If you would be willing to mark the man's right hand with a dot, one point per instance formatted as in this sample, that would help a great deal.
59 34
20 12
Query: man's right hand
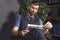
23 32
15 31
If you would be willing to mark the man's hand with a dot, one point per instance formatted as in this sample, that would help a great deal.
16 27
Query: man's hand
15 31
48 25
23 32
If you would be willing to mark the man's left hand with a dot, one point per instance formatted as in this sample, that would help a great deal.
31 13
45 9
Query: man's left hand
48 25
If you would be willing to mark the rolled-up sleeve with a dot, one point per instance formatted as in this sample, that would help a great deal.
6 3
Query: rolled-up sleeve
18 19
43 30
40 22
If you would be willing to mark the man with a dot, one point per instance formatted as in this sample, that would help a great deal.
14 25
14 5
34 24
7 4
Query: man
29 18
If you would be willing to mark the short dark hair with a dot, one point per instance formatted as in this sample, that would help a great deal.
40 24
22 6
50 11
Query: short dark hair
37 2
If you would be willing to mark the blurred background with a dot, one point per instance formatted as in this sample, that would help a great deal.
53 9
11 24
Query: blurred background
9 8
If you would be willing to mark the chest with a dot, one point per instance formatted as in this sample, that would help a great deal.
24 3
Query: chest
25 21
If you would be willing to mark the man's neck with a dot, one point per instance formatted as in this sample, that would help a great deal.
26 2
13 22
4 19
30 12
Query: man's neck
30 14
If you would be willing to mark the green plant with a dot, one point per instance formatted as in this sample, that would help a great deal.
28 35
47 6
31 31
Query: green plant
43 10
42 13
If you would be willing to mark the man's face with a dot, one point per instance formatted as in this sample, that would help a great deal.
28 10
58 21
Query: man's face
33 8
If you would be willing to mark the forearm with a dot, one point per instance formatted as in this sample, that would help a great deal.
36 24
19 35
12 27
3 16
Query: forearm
15 31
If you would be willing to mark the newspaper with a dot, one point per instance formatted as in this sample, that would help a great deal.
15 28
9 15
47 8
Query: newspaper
34 26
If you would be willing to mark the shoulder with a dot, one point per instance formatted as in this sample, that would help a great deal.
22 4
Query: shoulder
18 16
40 19
41 22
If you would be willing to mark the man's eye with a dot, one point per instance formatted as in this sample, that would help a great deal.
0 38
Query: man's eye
36 9
33 7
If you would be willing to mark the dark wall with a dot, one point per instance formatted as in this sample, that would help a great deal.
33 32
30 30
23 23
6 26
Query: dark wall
8 9
7 6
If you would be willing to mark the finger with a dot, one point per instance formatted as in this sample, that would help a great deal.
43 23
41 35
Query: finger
27 31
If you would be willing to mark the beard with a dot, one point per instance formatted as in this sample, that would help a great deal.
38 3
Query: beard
31 13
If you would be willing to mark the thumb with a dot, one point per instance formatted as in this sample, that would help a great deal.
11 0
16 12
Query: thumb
27 30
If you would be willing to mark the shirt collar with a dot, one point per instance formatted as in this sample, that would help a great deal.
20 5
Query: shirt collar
30 16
